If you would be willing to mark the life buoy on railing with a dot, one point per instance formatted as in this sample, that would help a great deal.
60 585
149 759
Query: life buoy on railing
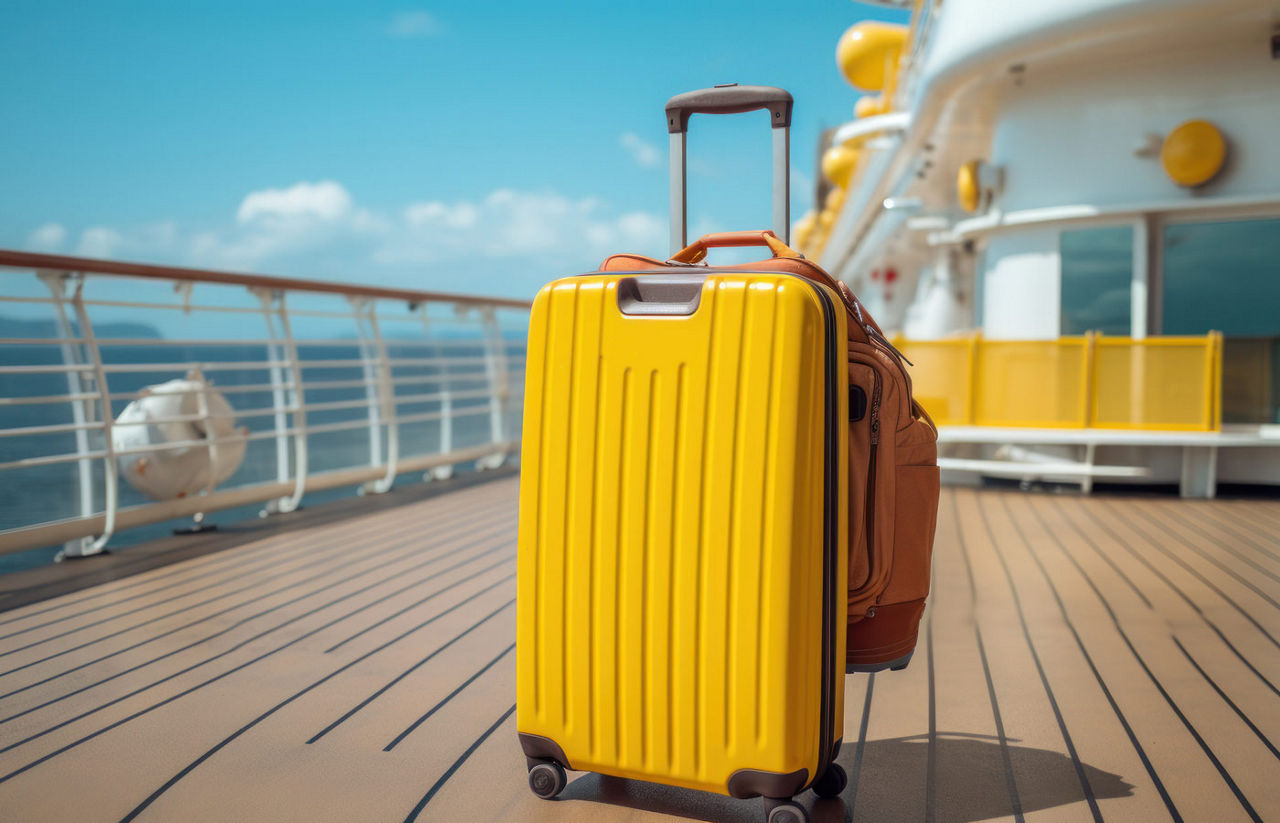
189 435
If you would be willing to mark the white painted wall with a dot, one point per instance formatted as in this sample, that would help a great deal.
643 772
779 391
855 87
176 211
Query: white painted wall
1021 293
1067 136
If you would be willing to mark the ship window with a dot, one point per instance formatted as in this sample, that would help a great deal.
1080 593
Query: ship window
1225 276
1222 277
1097 272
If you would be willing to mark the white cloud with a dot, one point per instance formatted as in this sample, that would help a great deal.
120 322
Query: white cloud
509 224
410 24
325 200
48 237
644 153
277 224
99 241
457 216
506 242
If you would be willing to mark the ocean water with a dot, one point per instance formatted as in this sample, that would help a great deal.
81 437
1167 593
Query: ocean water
42 493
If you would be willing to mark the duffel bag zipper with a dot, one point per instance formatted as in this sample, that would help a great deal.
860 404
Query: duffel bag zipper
871 473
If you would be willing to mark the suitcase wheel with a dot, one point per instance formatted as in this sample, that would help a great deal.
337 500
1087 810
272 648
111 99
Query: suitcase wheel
779 810
547 780
832 783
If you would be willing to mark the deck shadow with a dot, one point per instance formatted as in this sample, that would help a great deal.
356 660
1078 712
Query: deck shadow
686 803
970 785
970 781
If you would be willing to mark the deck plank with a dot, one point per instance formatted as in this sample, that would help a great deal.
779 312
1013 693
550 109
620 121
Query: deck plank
1080 659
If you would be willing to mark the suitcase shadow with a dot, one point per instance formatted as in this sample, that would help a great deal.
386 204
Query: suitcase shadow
888 781
684 803
974 778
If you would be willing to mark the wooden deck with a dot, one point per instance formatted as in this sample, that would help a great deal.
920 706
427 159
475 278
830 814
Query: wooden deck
1106 657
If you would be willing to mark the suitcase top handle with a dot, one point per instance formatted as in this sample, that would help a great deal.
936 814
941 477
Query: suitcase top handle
697 250
729 98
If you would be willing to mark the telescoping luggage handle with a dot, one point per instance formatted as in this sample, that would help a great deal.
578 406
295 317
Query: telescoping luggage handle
731 99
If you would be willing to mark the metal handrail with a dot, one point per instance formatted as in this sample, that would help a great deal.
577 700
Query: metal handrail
452 388
83 265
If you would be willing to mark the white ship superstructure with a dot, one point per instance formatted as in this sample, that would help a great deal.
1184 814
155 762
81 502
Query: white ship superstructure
1042 171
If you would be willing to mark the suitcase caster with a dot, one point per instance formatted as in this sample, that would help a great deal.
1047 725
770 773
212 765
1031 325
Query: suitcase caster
784 810
547 780
832 783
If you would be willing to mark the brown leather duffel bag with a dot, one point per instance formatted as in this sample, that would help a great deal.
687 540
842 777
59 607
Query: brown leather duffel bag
893 466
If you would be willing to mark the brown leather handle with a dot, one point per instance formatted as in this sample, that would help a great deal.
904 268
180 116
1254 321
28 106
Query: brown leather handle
697 250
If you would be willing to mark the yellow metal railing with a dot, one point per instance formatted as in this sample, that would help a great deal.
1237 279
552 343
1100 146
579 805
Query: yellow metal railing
1160 383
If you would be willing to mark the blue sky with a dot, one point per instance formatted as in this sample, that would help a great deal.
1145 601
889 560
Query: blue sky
482 147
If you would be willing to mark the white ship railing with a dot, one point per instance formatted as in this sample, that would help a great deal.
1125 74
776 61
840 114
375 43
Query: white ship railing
453 361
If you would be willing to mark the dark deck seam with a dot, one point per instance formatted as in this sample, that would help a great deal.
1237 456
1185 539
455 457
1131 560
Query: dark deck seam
1011 784
1115 707
411 606
388 686
243 643
1193 571
1146 535
1213 561
168 784
207 638
1210 518
1035 656
1155 681
1226 545
931 758
281 556
1189 601
114 567
452 770
1258 732
427 716
855 769
329 555
1240 527
200 685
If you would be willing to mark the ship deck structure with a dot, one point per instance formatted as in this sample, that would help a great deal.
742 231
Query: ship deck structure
1081 658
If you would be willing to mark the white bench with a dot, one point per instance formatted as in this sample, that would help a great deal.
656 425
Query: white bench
1199 452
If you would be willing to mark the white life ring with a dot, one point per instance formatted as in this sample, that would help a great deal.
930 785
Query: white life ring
187 412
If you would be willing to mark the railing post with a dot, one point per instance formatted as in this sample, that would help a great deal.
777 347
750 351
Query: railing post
111 471
74 354
286 397
444 471
278 401
1213 382
1089 380
360 309
379 393
495 369
972 404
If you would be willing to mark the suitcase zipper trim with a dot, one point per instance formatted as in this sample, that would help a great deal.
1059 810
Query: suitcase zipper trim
826 708
830 528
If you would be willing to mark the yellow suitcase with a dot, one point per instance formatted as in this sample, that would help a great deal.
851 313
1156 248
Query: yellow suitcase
681 611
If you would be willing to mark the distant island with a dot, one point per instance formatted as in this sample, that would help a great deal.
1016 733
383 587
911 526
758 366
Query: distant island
40 327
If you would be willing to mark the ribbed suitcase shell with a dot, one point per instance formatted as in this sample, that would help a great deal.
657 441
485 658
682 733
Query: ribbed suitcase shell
670 596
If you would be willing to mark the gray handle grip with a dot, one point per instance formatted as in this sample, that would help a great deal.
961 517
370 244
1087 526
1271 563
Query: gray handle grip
729 98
